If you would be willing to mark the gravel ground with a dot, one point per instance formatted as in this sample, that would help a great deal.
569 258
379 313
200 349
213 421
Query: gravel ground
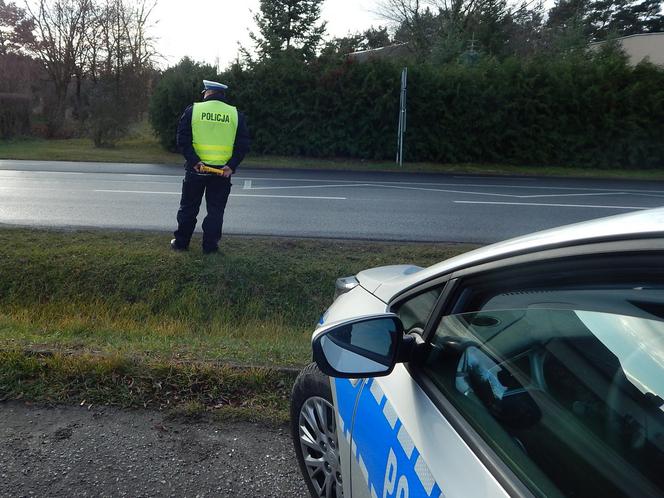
73 451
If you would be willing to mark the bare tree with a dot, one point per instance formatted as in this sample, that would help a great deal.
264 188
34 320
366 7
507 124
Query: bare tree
61 26
92 39
15 28
122 55
416 20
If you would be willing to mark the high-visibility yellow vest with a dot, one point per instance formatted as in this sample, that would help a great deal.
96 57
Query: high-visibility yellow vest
213 128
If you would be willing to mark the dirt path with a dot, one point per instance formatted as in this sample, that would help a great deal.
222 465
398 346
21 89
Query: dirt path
72 451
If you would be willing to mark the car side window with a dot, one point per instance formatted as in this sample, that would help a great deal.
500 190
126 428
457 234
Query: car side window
415 311
565 384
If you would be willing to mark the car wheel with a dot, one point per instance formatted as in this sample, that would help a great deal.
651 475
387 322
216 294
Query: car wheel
314 432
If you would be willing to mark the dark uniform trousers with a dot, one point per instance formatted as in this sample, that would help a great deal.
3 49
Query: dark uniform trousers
216 189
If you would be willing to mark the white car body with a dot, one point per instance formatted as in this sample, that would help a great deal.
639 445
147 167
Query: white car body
393 439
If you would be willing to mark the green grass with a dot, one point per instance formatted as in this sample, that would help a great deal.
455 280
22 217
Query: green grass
133 150
118 318
143 148
126 293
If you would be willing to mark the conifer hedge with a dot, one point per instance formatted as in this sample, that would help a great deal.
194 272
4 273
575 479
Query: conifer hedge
576 109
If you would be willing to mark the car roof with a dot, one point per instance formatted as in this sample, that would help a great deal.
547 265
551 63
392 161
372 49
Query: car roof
634 225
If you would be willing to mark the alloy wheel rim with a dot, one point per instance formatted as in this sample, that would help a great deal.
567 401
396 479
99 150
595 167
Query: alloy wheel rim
318 441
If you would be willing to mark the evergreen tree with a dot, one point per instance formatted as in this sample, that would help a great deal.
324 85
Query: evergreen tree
290 26
373 38
525 33
340 47
623 17
443 30
601 19
369 39
179 86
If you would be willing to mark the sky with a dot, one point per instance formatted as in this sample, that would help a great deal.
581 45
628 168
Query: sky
209 29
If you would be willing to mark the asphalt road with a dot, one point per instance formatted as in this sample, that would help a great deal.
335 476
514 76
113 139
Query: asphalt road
378 206
73 451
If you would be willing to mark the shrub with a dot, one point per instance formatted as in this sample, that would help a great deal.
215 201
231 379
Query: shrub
575 108
14 115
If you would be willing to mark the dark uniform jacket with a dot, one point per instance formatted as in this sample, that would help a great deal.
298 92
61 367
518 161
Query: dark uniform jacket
185 138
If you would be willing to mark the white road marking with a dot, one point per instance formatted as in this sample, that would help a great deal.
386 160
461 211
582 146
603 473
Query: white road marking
144 174
437 184
421 189
650 195
270 196
38 173
398 187
82 187
32 189
314 186
550 205
570 195
449 191
232 195
23 174
248 186
31 181
493 178
514 196
291 197
399 183
136 192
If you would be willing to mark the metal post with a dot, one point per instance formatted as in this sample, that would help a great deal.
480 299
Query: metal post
402 115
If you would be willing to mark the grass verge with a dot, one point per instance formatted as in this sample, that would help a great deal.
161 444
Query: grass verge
145 149
253 394
132 150
118 306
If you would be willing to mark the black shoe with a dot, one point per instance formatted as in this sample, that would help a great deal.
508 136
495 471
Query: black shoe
176 247
210 250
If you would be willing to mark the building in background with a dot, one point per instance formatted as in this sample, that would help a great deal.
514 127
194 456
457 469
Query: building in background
648 46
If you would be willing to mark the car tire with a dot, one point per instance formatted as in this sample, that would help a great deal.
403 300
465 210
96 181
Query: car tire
313 429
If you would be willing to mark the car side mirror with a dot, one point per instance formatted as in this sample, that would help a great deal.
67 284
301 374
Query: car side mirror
364 347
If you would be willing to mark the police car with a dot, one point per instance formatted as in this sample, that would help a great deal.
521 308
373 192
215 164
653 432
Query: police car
533 367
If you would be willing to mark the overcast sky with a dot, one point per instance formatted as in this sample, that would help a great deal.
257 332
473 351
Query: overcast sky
207 29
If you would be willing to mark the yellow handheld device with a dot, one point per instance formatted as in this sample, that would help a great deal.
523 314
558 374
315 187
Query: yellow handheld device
210 169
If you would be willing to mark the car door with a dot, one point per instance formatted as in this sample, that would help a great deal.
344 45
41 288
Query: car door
542 379
397 433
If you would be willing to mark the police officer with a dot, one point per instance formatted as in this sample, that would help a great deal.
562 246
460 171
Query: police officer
214 134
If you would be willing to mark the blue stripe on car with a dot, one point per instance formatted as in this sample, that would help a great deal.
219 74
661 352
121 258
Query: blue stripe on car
381 445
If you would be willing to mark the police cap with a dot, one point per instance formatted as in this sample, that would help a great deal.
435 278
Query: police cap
213 86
